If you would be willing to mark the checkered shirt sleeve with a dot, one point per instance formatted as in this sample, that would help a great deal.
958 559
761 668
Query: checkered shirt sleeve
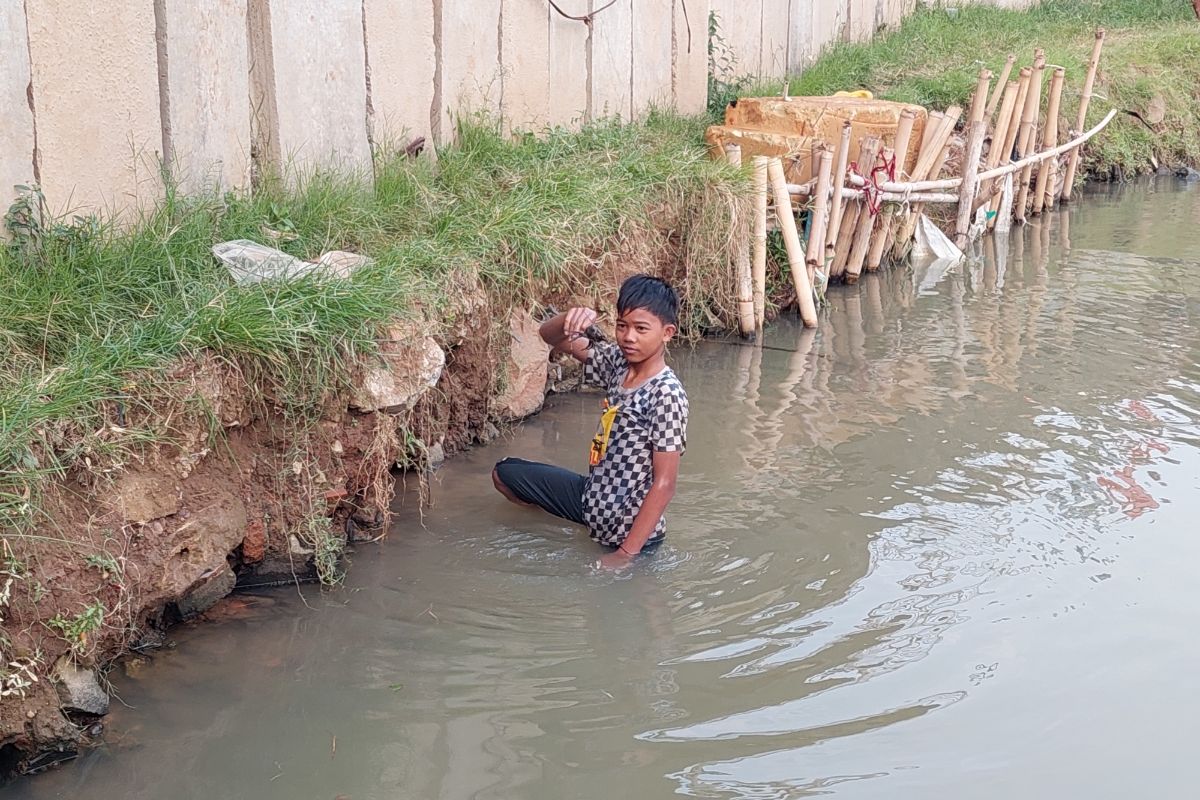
668 426
605 363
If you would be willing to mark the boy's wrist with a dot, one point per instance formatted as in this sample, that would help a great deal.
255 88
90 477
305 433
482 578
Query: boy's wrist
628 551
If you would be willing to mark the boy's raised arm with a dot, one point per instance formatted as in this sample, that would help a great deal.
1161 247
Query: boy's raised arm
565 332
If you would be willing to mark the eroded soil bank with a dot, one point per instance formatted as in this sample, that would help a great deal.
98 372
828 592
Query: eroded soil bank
246 492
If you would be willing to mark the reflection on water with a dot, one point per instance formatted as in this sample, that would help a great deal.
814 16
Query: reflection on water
938 548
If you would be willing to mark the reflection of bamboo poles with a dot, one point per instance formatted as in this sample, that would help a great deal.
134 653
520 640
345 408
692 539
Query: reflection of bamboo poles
745 282
791 241
1049 141
759 266
1084 101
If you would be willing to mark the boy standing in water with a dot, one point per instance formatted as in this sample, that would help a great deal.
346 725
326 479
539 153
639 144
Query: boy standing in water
642 432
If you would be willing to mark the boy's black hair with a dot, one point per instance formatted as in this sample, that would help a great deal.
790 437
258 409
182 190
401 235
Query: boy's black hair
653 294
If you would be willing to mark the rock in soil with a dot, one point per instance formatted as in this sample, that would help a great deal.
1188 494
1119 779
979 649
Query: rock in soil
146 496
524 377
408 365
207 593
78 689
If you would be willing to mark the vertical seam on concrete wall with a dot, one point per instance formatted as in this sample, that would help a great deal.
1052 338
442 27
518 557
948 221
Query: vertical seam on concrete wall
761 35
369 121
589 106
435 109
674 56
632 57
264 111
500 58
164 88
552 61
787 43
37 167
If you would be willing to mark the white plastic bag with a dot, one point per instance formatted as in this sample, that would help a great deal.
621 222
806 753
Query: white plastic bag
250 262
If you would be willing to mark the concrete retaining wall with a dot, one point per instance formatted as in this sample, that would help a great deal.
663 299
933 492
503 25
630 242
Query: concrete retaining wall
204 86
94 83
98 96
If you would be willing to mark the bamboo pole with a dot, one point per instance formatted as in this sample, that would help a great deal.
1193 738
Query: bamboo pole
996 149
929 164
758 272
1027 140
1001 84
883 226
904 129
1014 124
970 182
1000 132
903 140
841 252
839 180
820 217
866 217
998 123
980 98
745 282
1049 140
791 240
930 158
1084 101
933 124
849 226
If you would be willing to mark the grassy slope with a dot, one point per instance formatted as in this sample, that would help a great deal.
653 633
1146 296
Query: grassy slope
89 308
1152 49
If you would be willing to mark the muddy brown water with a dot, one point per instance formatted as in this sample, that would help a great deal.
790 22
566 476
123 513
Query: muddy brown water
945 547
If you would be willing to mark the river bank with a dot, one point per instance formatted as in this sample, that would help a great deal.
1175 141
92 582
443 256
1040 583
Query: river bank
168 434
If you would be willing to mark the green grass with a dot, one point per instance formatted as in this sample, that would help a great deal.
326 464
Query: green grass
95 311
1152 49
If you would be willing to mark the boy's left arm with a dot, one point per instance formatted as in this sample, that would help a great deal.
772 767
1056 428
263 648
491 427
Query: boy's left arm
666 471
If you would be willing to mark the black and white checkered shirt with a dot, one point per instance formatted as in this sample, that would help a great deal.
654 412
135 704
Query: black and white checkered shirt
653 417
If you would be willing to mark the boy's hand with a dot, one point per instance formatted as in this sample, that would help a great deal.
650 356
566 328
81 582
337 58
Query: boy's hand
578 320
616 561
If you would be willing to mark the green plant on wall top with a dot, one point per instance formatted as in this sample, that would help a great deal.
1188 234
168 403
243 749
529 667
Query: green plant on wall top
724 82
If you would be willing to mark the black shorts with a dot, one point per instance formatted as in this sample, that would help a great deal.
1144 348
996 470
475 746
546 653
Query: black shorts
551 488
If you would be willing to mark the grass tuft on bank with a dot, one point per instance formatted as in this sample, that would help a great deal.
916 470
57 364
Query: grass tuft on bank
94 312
1151 62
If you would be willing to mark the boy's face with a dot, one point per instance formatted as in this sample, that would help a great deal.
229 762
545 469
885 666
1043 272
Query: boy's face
641 335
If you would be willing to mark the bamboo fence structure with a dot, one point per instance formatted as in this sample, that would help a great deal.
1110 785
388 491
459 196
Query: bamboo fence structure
1009 160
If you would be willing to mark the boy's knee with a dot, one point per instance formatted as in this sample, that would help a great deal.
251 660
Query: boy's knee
502 487
498 477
